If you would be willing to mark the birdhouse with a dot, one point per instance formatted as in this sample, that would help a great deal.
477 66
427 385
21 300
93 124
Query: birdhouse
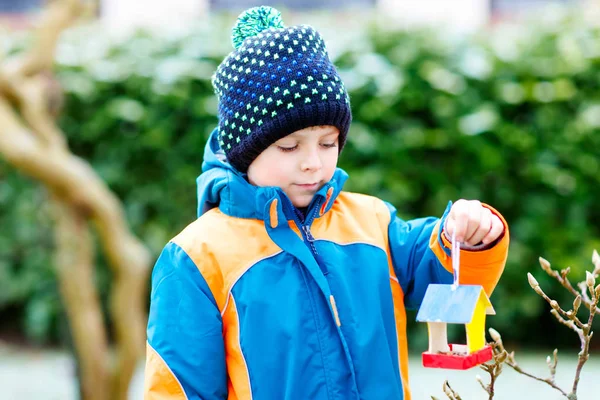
455 304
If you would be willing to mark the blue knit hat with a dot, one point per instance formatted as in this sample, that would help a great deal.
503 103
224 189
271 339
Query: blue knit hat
277 80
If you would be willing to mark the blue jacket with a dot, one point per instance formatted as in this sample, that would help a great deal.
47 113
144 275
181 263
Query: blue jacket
254 301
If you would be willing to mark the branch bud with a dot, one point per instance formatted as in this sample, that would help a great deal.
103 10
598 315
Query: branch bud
552 362
596 259
511 358
534 284
590 280
495 335
597 290
532 281
448 390
545 264
576 304
554 304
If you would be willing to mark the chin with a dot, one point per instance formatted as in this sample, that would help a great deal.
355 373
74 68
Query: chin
301 202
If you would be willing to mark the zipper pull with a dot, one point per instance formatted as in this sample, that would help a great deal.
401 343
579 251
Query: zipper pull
335 310
309 235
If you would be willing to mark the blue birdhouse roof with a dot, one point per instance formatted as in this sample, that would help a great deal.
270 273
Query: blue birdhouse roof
452 304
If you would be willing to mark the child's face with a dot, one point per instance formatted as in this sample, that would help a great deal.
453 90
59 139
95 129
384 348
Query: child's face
299 163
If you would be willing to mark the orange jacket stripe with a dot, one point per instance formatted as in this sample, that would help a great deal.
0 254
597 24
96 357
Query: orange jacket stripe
240 257
160 383
294 227
362 228
273 214
237 370
399 313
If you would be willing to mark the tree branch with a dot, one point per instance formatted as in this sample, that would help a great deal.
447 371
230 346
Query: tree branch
33 143
564 281
59 15
75 270
511 362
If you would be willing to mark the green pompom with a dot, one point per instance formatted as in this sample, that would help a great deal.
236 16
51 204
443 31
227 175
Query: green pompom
253 21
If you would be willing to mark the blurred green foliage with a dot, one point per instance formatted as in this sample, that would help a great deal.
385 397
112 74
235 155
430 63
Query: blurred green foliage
510 117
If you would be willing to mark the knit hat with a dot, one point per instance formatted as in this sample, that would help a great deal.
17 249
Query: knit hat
277 80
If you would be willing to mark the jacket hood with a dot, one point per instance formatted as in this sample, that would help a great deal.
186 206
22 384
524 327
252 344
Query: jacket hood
221 185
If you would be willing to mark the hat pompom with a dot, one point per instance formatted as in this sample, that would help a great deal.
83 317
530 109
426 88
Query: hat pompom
253 21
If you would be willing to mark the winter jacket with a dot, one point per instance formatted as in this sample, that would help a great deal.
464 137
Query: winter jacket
255 301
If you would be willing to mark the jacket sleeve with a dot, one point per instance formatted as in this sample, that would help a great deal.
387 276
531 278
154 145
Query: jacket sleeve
420 255
185 351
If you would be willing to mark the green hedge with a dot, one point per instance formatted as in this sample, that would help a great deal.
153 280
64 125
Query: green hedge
512 120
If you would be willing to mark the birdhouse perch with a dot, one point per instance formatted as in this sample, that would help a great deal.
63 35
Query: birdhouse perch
451 304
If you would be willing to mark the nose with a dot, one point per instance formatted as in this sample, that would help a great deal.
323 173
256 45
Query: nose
311 161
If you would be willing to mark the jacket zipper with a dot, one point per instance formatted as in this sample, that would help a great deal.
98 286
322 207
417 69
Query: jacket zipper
310 239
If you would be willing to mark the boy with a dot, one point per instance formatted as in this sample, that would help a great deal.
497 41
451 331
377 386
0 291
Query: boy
286 287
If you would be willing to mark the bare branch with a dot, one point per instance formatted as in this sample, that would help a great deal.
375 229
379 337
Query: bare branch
570 317
587 333
31 141
564 281
29 95
449 392
552 363
511 362
74 259
596 262
567 318
57 17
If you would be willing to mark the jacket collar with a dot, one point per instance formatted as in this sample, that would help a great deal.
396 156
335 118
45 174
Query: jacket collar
221 185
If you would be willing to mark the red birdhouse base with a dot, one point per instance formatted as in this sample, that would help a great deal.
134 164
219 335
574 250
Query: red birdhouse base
456 361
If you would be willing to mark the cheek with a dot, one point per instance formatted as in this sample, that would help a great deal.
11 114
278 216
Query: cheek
269 170
330 163
276 175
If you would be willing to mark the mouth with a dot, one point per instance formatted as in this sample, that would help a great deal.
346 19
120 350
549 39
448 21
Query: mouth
308 186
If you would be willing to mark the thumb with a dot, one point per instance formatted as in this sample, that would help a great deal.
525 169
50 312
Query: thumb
449 226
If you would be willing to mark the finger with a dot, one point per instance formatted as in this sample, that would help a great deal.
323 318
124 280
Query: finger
496 230
449 226
473 218
485 225
460 216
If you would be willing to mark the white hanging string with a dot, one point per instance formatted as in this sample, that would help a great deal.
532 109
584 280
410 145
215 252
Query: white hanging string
455 254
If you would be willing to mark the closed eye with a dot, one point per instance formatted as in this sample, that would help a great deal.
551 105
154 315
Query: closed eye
329 145
287 149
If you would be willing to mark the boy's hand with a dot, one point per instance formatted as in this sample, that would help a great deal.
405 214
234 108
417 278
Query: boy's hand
474 224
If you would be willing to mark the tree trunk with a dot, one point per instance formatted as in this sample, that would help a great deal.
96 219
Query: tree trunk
74 257
31 141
